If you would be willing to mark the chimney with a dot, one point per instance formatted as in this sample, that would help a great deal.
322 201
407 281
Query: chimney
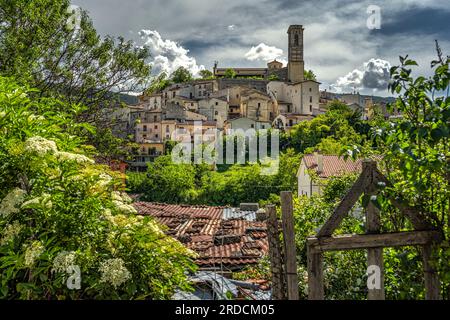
319 160
261 215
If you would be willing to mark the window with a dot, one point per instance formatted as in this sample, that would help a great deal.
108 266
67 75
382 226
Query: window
310 89
252 125
167 128
288 108
296 39
192 104
156 136
237 96
217 103
145 128
310 108
173 94
263 126
310 99
291 123
156 127
155 118
216 113
259 104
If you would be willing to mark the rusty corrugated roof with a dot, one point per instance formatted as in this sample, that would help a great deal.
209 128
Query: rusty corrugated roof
197 226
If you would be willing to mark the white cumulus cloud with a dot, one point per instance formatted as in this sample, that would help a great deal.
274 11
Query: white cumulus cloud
373 75
264 52
167 55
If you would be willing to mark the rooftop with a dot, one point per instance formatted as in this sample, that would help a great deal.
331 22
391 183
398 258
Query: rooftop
332 165
223 237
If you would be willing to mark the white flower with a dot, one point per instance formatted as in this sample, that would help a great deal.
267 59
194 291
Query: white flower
40 146
79 158
63 261
11 202
114 272
104 180
121 197
33 252
2 114
10 232
124 208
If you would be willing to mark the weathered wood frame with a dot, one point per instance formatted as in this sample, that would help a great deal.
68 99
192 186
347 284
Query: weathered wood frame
424 235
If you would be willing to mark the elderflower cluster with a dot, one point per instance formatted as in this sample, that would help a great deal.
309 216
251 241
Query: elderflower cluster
33 252
11 202
104 180
122 197
63 261
10 232
114 272
78 158
40 146
124 208
44 200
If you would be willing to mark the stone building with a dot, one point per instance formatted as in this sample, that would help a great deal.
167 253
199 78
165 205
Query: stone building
215 109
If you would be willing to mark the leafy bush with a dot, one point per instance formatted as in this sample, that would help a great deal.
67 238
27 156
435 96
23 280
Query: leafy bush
59 211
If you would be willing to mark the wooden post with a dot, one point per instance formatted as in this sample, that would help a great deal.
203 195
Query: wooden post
315 274
432 283
373 226
276 263
287 215
375 255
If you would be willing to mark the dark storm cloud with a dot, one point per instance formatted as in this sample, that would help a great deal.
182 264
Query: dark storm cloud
418 21
337 39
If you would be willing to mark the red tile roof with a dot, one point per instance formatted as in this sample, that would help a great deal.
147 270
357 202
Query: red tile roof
230 244
332 165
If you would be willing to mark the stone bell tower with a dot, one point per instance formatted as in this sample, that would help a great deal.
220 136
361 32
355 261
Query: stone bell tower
296 65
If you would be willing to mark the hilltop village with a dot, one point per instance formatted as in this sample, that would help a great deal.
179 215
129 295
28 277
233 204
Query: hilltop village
253 98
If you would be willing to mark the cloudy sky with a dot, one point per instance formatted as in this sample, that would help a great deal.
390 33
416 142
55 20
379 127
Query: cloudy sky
339 47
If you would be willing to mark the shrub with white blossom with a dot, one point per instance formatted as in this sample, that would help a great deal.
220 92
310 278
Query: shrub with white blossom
60 210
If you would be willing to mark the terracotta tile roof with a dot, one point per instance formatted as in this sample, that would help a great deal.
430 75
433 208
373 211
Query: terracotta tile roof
332 165
219 240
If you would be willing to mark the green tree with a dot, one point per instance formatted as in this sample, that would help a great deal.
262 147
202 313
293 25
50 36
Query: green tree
309 75
170 182
158 84
335 126
273 77
181 75
230 73
42 44
206 74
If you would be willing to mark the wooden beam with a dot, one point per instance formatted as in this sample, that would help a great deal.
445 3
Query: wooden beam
315 275
287 218
374 255
346 204
364 241
276 261
432 283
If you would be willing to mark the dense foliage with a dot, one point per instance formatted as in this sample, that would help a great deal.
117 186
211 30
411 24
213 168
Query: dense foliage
168 182
59 211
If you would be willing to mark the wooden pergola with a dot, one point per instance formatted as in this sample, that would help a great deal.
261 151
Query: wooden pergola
424 235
